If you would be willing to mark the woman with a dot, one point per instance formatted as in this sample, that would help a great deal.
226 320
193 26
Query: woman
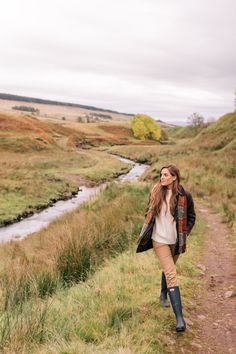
169 220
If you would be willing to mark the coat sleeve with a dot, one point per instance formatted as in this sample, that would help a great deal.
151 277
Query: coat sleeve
191 215
144 227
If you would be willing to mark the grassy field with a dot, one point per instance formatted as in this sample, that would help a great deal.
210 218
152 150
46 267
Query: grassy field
133 322
78 286
40 163
32 181
44 311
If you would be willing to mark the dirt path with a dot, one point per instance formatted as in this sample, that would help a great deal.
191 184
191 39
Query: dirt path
217 314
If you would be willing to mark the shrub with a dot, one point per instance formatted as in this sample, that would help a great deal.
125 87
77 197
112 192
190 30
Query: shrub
145 127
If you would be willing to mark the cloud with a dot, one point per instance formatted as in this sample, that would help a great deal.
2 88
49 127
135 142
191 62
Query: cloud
164 58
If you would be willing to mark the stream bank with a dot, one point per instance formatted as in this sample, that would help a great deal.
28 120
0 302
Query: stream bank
38 221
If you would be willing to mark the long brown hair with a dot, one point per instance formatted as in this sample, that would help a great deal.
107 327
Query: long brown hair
159 192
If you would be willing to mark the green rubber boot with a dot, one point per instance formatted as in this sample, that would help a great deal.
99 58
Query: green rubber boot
175 300
163 297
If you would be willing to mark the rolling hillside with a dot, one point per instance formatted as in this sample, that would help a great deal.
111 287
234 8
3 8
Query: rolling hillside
218 135
5 96
60 110
21 132
65 111
215 136
24 133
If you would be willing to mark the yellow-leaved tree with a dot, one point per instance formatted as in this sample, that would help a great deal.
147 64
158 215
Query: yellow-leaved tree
145 127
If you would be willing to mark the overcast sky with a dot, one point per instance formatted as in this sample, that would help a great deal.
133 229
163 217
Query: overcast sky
165 58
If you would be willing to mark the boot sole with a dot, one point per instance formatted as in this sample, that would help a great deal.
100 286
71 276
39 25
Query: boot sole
180 329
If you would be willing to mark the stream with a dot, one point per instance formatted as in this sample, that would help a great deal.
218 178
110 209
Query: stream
38 221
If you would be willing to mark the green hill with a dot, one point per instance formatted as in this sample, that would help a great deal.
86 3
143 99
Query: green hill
214 136
184 132
218 135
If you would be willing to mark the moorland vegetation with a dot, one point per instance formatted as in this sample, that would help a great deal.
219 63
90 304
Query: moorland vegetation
78 286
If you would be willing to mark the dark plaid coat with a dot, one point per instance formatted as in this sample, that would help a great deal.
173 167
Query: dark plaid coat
185 219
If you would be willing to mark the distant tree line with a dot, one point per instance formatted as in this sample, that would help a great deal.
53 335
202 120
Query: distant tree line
5 96
26 109
93 117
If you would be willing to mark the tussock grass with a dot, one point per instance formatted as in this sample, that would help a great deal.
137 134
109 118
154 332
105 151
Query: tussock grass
67 252
112 310
23 325
117 309
72 247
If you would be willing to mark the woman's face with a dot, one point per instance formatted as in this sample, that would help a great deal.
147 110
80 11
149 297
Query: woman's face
166 178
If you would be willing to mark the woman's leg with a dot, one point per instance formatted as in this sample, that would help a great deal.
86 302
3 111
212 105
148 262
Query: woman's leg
164 254
167 261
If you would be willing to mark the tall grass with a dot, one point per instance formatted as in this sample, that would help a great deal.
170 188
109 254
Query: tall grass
41 303
24 324
70 249
117 309
103 228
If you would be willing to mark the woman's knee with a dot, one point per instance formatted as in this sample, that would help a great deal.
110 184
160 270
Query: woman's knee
171 278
